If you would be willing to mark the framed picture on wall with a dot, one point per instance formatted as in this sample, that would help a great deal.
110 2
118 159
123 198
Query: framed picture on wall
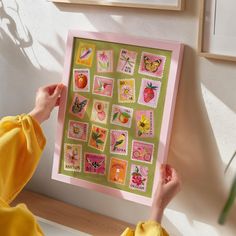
116 113
151 4
217 34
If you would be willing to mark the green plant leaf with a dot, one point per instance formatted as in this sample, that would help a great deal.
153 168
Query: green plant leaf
115 115
125 114
99 141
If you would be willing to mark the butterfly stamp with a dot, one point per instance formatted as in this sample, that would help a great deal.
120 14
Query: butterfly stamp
138 177
142 151
78 130
79 106
149 93
72 157
119 142
121 116
144 124
100 111
117 171
94 163
81 80
152 65
103 86
85 54
126 90
98 138
126 62
105 61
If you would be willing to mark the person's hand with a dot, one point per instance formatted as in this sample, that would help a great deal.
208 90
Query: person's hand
168 186
46 99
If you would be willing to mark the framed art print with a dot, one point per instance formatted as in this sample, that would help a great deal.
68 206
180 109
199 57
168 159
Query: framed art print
116 113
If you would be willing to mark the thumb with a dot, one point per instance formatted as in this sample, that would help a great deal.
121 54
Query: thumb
57 91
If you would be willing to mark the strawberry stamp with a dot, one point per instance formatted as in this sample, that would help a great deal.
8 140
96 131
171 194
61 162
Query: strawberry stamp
78 130
127 61
142 151
121 115
85 54
119 142
149 93
103 86
81 80
104 61
117 171
100 111
152 65
72 157
79 106
126 90
94 163
98 138
138 178
144 123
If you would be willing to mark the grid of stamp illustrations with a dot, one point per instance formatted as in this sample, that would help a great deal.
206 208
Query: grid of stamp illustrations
114 110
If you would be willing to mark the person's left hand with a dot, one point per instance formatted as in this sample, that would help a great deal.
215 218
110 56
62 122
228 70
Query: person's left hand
46 99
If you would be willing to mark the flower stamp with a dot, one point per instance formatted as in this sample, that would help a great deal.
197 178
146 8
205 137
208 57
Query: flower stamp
85 54
72 157
149 93
152 65
126 90
144 123
142 151
138 177
100 111
98 138
103 86
119 142
126 62
79 106
117 171
78 130
104 61
121 116
81 80
94 163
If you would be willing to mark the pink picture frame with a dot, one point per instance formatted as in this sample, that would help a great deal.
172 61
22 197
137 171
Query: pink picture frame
176 49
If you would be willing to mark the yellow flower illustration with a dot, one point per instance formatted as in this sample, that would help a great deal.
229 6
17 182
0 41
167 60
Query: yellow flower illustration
143 125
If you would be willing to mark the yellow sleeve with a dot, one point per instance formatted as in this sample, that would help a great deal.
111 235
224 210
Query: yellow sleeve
21 145
148 228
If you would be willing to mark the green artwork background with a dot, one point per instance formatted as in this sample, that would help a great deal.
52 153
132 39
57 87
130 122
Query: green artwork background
158 113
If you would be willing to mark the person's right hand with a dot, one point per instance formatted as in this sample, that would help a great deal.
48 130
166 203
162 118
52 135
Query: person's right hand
168 186
46 99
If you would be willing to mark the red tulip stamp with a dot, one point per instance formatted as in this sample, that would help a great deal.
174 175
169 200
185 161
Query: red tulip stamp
94 163
138 177
81 80
149 92
72 157
104 61
98 137
119 142
78 130
79 106
100 111
121 116
142 151
127 61
103 86
152 65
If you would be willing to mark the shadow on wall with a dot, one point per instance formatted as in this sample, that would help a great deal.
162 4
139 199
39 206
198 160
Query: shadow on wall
17 53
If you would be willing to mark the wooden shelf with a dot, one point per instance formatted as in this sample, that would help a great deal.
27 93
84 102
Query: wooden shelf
71 216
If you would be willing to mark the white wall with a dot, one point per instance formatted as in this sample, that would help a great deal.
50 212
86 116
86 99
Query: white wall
32 49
